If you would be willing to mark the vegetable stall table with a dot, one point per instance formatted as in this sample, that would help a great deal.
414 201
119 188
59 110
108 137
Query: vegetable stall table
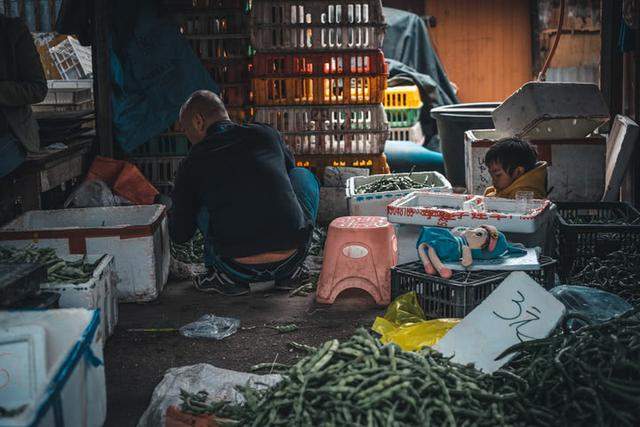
23 189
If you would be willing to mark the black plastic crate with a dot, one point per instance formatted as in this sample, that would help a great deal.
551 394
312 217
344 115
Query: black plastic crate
458 296
594 229
17 281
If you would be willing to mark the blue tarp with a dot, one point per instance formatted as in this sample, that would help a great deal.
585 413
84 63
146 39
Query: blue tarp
411 56
154 70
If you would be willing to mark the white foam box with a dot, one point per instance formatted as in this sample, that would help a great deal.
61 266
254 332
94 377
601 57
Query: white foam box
551 110
136 236
375 204
460 210
567 181
99 292
53 364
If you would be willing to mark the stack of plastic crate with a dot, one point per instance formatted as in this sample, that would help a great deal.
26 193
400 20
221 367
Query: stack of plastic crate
319 78
402 105
217 31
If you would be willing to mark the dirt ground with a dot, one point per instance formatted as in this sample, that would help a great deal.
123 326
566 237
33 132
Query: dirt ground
136 361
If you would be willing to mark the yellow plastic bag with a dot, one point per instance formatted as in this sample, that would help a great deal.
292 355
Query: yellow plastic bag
405 324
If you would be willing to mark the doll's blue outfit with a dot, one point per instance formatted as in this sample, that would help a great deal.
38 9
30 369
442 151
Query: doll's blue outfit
449 246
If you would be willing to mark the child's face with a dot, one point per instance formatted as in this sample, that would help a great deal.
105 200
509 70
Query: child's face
501 178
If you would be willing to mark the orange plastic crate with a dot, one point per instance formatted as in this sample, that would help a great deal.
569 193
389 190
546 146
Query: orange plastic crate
319 90
235 95
181 5
234 70
275 64
211 23
220 47
317 163
329 130
317 25
238 115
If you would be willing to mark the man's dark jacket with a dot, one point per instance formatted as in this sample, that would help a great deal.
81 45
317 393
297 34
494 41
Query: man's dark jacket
22 82
239 173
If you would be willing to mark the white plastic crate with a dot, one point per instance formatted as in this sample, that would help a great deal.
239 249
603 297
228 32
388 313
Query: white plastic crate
317 25
158 169
99 292
72 60
375 204
458 210
70 84
568 182
57 369
57 96
347 129
136 236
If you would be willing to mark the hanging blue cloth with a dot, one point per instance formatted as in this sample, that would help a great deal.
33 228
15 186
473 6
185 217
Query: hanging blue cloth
153 70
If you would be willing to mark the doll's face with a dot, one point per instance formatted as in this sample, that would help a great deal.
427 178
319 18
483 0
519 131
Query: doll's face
476 237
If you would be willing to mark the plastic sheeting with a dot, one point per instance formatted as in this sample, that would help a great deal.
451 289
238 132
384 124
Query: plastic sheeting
154 70
219 383
411 56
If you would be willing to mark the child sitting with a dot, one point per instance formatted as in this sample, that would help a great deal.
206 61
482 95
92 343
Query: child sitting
513 165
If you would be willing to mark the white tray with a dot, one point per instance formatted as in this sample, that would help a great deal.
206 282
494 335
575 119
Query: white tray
457 210
375 204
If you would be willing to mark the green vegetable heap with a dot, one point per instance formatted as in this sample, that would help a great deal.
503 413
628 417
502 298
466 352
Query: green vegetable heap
191 252
392 183
58 270
618 273
588 377
362 382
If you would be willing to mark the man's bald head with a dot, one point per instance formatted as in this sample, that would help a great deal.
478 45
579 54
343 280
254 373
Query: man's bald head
202 109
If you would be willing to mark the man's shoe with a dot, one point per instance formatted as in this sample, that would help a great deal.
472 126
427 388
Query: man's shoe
216 281
299 277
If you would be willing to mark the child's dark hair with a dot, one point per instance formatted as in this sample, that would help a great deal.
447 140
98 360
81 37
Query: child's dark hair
511 153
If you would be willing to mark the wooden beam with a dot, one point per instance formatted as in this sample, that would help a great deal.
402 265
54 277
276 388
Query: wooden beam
37 16
21 8
53 14
611 58
102 77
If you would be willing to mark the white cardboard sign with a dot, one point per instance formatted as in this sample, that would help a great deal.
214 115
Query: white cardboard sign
518 310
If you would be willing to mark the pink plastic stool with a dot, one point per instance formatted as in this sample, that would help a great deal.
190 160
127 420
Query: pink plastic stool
359 253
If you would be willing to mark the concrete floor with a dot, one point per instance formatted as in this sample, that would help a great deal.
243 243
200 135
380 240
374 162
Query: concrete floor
136 361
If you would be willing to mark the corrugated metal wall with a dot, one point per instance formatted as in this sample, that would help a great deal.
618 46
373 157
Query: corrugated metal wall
40 15
578 56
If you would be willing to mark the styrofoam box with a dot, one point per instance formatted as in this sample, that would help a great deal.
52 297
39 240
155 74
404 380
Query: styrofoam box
375 204
99 292
136 236
567 182
456 210
551 110
74 381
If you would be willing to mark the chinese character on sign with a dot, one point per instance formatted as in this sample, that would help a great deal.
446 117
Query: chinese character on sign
521 317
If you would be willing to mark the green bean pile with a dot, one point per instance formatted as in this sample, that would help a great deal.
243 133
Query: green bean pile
618 273
362 382
58 270
191 252
588 377
392 183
